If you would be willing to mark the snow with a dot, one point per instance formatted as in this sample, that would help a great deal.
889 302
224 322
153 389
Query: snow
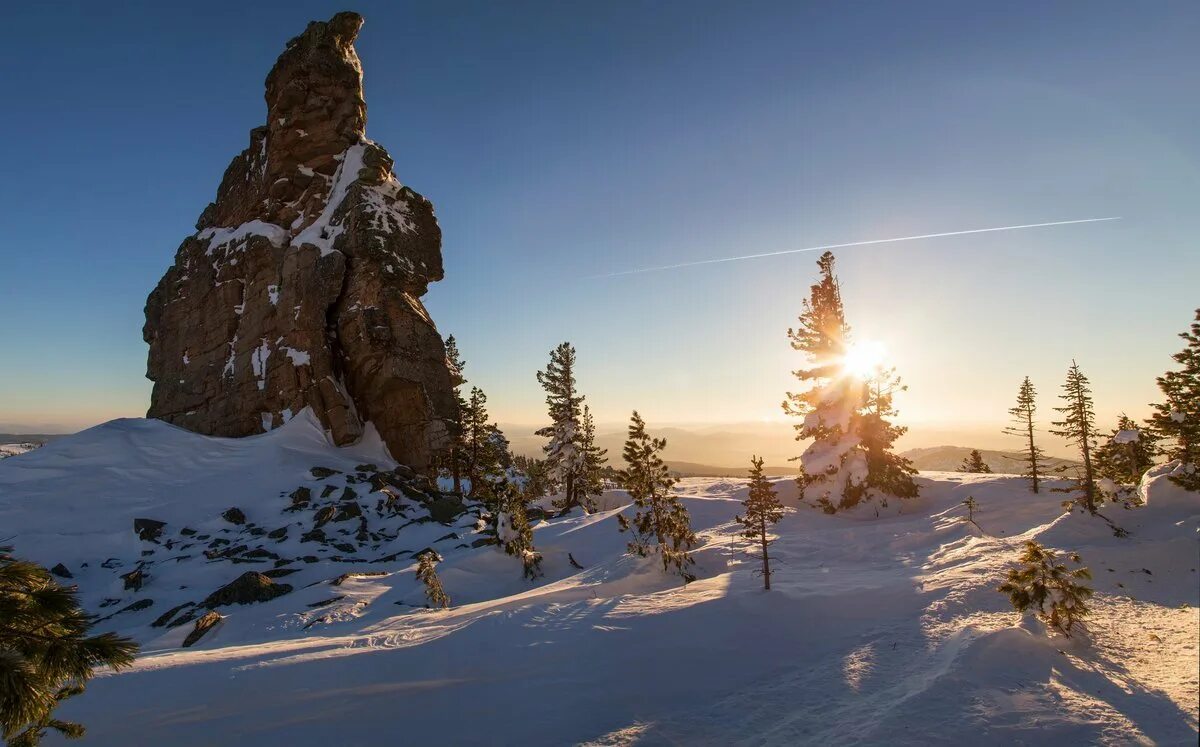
258 362
273 294
1128 436
322 232
877 630
298 357
228 236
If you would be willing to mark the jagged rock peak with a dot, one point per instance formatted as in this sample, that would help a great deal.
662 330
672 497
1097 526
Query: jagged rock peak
301 286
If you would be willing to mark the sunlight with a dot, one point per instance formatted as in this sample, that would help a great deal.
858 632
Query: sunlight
863 359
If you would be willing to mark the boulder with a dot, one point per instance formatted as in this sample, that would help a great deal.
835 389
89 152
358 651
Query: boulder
234 516
248 588
148 530
301 287
206 623
61 571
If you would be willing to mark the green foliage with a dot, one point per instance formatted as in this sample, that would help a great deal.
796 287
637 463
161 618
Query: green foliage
427 574
591 477
455 455
485 452
660 517
1078 426
974 463
762 510
564 455
513 529
1049 587
1177 418
46 654
1023 425
1127 453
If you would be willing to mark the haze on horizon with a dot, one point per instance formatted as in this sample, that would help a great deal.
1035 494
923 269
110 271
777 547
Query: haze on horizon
560 143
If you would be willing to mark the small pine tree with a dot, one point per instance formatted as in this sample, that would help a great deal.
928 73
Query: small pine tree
1127 453
660 516
454 455
485 449
974 463
1023 425
513 529
1078 426
762 510
1048 587
846 417
591 477
46 654
1176 419
427 574
563 402
971 505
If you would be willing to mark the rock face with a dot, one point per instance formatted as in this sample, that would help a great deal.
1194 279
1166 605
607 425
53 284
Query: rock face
301 286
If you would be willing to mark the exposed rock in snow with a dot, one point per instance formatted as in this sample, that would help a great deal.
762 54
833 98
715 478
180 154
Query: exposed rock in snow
291 257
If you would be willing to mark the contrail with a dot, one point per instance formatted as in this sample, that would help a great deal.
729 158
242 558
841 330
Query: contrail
852 243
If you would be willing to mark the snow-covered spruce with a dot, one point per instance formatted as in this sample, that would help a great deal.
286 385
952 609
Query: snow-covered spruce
850 459
1176 419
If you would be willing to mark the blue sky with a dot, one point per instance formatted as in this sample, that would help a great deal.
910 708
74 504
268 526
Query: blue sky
563 140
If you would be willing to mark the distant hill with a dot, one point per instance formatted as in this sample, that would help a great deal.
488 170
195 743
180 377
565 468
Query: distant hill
948 459
692 469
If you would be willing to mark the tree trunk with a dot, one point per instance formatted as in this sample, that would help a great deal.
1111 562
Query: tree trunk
762 533
1032 456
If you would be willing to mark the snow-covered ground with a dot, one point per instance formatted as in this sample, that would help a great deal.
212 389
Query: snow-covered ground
878 630
8 450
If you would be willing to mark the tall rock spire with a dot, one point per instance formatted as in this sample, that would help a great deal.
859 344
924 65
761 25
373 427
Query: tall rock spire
301 286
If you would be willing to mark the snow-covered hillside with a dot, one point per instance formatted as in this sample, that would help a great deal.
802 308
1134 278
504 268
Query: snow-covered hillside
13 449
879 629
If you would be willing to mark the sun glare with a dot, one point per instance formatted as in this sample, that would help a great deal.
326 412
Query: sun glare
863 359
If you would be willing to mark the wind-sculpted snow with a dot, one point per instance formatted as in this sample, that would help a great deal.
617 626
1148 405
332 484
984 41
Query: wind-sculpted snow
879 629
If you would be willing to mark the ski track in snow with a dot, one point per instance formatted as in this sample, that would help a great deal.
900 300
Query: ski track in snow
880 629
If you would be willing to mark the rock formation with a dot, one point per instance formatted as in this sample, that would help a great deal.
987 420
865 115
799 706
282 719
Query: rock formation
301 286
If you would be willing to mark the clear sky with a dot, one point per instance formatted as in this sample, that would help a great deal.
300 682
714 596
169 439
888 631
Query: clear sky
559 141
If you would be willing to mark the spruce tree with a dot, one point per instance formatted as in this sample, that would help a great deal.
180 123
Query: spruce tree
1048 587
1127 453
1023 426
564 403
476 429
660 517
591 477
513 529
1176 419
46 652
762 510
455 424
1078 426
427 574
847 417
974 463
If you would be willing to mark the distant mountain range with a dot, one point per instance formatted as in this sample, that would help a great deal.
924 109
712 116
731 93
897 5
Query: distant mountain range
948 459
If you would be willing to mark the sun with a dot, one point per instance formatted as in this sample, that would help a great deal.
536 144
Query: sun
863 359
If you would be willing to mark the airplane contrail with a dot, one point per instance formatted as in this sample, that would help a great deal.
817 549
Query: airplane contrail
852 243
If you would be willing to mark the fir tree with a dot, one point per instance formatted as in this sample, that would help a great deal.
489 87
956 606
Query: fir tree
591 477
762 510
563 401
971 505
513 529
46 654
974 463
1048 587
660 517
1127 453
1177 418
847 417
427 574
1023 426
1078 426
455 423
485 449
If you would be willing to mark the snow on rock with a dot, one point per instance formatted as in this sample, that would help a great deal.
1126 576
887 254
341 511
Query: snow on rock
881 630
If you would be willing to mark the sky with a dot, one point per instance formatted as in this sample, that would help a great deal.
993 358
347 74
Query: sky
561 142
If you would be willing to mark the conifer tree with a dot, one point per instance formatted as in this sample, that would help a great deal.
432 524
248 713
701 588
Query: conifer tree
455 423
660 517
1048 587
1078 426
1127 453
847 417
427 574
974 463
475 432
563 401
591 477
46 652
762 510
513 529
1023 426
1176 419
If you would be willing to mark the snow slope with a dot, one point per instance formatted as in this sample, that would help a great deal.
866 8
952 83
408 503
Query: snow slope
879 629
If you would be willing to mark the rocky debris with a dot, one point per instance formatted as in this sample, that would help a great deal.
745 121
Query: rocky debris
134 579
302 284
234 516
206 623
300 497
167 616
137 606
320 473
248 588
148 530
61 571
